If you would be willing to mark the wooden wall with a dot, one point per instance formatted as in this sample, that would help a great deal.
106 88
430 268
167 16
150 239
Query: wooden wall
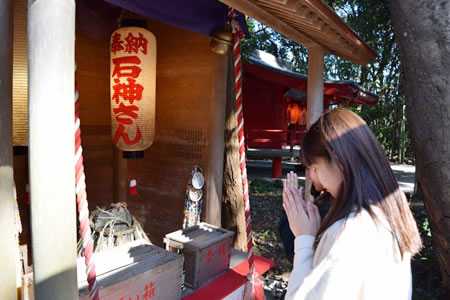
190 93
190 112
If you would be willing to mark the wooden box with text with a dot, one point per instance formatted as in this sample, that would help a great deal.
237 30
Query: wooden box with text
137 270
206 249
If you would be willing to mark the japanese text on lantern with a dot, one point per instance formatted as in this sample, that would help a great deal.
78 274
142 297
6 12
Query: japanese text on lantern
126 89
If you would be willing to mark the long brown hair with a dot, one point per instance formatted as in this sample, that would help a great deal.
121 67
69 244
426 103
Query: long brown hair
342 137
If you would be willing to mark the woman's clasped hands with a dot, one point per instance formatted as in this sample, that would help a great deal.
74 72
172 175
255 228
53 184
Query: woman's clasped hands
303 217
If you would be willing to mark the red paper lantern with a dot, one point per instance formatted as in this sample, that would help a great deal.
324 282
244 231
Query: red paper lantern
292 113
133 80
301 118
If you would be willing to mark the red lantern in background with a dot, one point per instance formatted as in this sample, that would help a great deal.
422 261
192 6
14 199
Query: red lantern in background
133 80
293 113
301 118
296 114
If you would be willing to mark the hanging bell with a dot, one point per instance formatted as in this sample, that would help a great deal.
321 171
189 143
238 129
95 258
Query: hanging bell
222 41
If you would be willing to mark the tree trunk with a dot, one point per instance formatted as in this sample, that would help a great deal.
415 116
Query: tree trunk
422 29
233 215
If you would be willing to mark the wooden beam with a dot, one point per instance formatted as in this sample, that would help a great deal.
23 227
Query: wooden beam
271 153
51 62
9 251
302 22
314 93
315 85
120 176
263 16
214 177
334 20
233 214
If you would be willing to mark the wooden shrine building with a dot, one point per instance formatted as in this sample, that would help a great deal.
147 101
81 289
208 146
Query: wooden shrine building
43 40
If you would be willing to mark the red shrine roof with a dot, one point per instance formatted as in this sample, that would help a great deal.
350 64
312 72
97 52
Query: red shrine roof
268 68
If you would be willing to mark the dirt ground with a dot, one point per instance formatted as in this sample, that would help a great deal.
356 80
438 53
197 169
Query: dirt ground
266 211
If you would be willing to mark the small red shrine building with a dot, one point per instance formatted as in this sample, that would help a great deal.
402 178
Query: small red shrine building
270 87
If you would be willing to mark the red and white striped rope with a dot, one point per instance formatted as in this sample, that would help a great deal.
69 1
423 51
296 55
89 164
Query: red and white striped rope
237 35
83 210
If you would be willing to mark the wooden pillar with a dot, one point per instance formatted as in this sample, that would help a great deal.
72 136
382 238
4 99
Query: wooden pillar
315 93
8 250
51 62
214 177
233 213
120 176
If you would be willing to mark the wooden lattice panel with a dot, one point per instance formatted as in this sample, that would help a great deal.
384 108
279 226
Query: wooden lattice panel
187 143
20 75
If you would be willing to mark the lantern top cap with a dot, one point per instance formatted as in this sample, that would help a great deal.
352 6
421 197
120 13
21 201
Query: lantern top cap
133 23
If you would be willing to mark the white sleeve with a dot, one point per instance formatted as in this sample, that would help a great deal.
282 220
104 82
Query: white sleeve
341 265
303 260
306 283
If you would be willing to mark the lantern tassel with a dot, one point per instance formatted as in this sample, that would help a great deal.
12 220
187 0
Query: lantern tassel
132 174
133 190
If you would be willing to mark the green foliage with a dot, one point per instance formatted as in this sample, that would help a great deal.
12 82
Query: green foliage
266 234
371 20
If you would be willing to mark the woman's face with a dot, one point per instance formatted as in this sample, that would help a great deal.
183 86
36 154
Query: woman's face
325 176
